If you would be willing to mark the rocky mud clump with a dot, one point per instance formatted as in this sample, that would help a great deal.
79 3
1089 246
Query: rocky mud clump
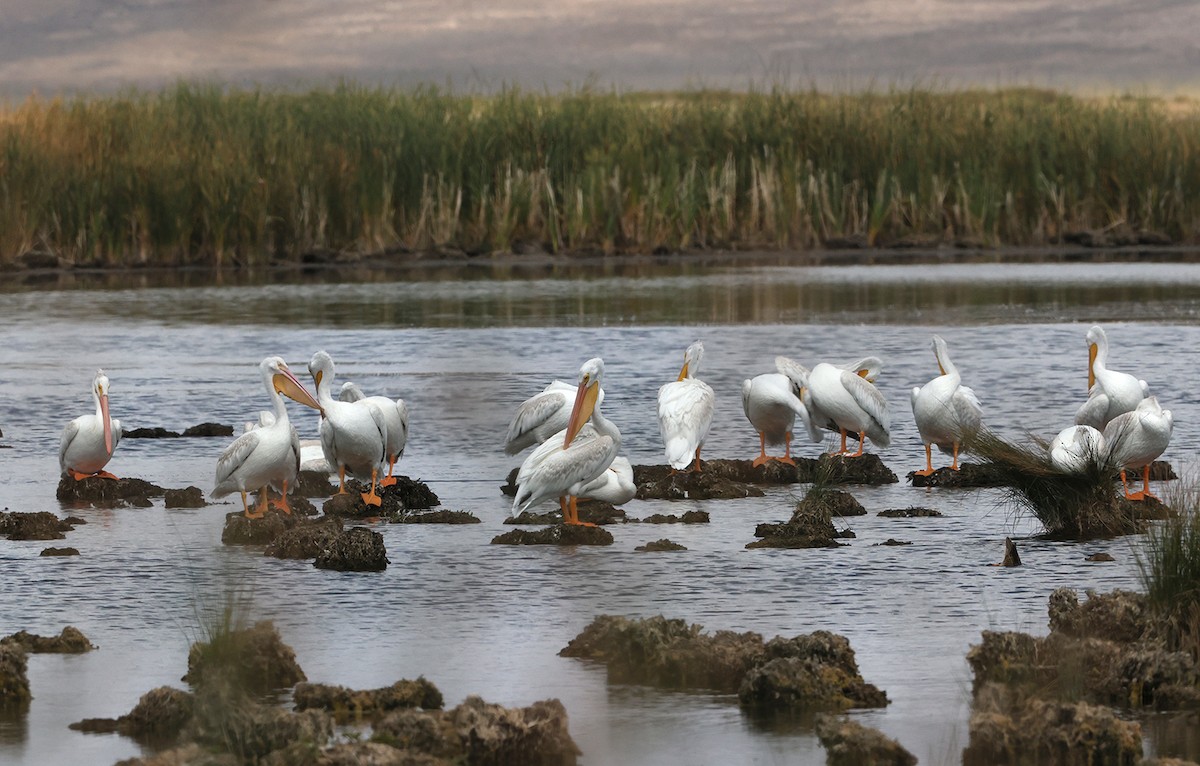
849 743
660 546
41 525
14 679
305 540
558 534
100 492
663 483
70 641
811 524
357 549
351 705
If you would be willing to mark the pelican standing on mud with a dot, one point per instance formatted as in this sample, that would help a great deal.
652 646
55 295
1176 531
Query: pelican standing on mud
88 441
572 458
1110 393
847 397
685 412
541 416
772 403
353 434
1135 439
946 412
395 412
268 454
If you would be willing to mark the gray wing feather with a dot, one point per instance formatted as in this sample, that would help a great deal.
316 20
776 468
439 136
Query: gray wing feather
381 424
795 372
231 459
532 413
70 431
685 412
872 402
968 410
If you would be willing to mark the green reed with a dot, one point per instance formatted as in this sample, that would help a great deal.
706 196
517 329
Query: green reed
205 174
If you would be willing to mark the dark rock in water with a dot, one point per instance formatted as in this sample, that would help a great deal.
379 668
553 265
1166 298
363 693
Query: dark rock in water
559 534
410 494
403 496
909 513
349 704
255 731
891 541
537 519
240 530
813 672
107 493
41 525
590 511
849 743
660 545
833 502
59 552
439 517
665 484
75 521
477 732
14 680
816 671
96 725
867 468
1011 557
1100 557
208 429
69 641
1161 470
254 659
1119 616
306 539
159 716
968 475
314 484
811 525
149 433
357 549
690 517
1042 731
189 497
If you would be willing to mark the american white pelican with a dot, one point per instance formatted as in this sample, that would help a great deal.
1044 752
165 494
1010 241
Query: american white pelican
395 412
615 485
353 434
1135 439
571 459
685 412
88 441
1110 393
268 454
772 402
541 416
1077 448
846 397
946 411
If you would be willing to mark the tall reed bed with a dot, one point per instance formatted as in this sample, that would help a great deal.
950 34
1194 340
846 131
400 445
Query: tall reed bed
202 173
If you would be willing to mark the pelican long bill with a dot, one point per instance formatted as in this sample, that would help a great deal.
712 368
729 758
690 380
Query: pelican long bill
285 383
585 403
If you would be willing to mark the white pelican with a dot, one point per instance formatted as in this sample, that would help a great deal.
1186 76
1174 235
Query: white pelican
541 416
571 459
1135 439
846 397
685 412
395 412
88 441
268 454
615 485
946 411
771 402
1077 448
1110 393
353 434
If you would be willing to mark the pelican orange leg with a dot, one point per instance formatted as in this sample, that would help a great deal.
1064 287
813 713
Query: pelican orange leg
389 480
372 498
928 470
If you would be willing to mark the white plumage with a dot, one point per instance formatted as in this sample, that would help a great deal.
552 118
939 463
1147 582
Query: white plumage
88 441
1110 393
1077 448
946 412
541 416
571 459
353 434
267 454
614 485
395 413
849 399
1135 439
685 411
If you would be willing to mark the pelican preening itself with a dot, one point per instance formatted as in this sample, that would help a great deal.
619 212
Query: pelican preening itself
1110 393
1077 448
772 403
1134 439
353 434
946 412
269 454
614 485
541 416
88 441
685 412
571 459
847 397
395 413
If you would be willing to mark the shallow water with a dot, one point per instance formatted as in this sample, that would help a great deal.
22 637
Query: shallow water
489 620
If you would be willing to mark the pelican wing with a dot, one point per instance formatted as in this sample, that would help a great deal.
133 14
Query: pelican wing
233 458
402 414
532 413
868 398
70 431
1093 411
685 413
295 446
795 372
967 410
380 424
551 470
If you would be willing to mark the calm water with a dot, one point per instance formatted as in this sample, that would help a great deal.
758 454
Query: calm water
489 620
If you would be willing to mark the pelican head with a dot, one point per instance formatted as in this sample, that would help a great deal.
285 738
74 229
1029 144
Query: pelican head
284 382
868 368
321 369
691 359
1097 343
941 352
590 376
100 392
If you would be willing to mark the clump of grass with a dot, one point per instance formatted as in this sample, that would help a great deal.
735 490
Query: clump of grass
227 176
1078 506
1170 571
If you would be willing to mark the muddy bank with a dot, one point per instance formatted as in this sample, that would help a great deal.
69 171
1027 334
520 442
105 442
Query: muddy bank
108 493
356 705
590 512
811 524
70 641
558 534
978 475
405 496
41 525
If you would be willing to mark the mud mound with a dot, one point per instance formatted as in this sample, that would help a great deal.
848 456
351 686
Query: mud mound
254 659
559 534
349 704
690 517
849 743
41 525
357 549
439 517
661 483
909 513
590 511
660 545
305 540
69 641
190 497
107 493
811 524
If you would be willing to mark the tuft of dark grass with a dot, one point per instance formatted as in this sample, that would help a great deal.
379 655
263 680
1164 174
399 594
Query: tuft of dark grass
1169 565
1078 506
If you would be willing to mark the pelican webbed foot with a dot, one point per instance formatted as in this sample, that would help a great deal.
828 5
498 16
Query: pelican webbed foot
785 460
